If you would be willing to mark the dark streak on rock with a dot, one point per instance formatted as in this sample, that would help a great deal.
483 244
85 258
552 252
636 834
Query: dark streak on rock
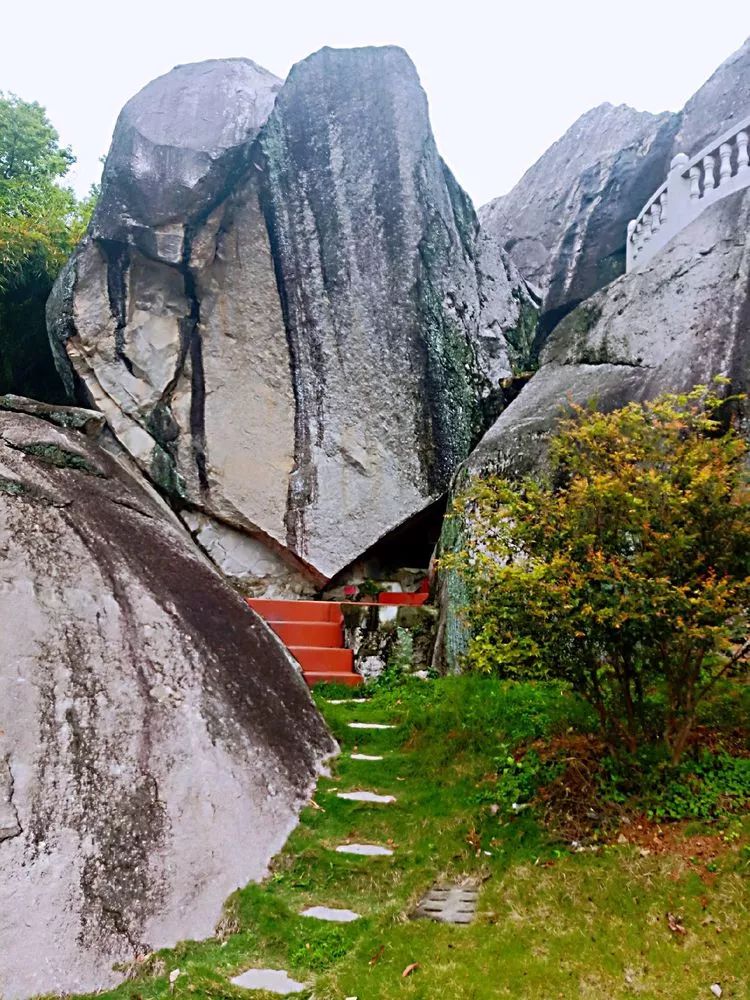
302 479
118 261
198 381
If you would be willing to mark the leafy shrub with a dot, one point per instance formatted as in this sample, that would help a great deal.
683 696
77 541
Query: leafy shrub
705 787
624 571
40 223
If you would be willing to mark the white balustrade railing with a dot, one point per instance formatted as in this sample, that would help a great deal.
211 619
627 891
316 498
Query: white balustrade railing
691 186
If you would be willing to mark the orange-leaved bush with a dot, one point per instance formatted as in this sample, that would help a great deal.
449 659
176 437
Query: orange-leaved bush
624 570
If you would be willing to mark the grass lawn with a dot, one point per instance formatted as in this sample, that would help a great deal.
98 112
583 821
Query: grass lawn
553 921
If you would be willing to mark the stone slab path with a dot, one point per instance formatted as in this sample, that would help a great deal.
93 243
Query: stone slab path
449 904
367 797
445 903
364 850
273 980
330 913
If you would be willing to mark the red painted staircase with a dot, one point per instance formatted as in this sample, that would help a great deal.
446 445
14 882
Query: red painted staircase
313 632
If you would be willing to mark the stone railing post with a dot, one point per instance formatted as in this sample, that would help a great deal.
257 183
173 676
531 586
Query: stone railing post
678 194
630 247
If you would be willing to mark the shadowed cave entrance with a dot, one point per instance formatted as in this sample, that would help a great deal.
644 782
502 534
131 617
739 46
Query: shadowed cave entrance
403 555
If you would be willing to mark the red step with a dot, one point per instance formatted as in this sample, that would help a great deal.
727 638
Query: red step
309 633
296 611
397 597
313 633
315 659
331 677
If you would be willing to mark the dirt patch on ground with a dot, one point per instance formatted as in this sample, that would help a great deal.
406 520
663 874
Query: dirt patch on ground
575 807
698 850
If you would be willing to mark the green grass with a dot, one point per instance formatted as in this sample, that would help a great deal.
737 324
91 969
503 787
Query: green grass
551 923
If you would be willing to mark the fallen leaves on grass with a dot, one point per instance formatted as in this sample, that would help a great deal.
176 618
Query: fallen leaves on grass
474 841
377 956
675 924
409 969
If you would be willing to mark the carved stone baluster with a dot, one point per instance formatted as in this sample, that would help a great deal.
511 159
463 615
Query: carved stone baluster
709 181
743 159
630 250
655 215
640 238
725 170
664 208
695 183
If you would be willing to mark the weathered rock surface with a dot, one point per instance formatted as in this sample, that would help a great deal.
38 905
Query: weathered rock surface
156 742
683 320
508 314
176 148
295 334
677 324
565 222
374 244
723 100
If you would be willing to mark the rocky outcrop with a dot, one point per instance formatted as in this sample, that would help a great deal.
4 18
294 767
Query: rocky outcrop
156 741
565 222
374 244
177 148
383 636
677 324
295 334
722 101
508 314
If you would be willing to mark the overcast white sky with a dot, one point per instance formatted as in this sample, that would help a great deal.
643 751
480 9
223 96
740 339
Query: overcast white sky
504 79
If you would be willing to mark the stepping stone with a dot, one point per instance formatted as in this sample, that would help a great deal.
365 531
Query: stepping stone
366 797
328 913
273 980
369 725
364 756
365 850
347 701
452 904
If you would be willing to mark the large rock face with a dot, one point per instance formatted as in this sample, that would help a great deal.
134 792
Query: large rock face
722 101
287 331
374 244
565 222
683 320
176 148
156 742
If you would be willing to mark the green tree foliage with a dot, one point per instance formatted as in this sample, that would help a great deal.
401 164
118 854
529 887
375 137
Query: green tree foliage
40 223
625 571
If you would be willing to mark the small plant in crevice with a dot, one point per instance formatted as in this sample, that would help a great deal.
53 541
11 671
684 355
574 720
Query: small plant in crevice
61 458
399 661
368 590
